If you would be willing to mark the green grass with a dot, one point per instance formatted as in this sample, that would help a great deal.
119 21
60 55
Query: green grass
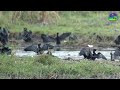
49 67
75 22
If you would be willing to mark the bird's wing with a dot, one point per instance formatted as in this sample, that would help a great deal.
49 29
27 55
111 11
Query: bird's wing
31 48
85 51
47 38
50 46
102 56
51 39
82 51
64 36
117 52
44 47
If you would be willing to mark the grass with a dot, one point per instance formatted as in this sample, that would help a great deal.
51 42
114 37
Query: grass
49 67
76 22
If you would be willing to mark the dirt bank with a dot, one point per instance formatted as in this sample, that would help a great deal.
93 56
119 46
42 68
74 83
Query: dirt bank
81 41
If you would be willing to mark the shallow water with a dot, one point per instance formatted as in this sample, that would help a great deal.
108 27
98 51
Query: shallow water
65 54
22 53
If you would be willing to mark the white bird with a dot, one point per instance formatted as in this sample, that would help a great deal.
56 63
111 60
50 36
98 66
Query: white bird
64 41
90 46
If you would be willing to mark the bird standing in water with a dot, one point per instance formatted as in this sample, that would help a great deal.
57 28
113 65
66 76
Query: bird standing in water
111 54
58 42
98 55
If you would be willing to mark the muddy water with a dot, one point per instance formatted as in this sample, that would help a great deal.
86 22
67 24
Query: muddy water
65 54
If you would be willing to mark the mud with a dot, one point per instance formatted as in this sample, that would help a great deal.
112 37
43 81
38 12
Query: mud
81 41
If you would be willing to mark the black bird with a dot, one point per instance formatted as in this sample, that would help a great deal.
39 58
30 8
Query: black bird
6 34
34 48
58 39
64 36
86 52
47 46
117 53
117 40
98 55
47 39
5 50
3 36
27 35
39 48
3 39
58 42
61 38
112 56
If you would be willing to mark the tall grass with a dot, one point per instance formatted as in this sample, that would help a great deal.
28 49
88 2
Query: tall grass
82 22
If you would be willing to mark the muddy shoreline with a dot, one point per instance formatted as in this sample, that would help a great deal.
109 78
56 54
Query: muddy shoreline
82 41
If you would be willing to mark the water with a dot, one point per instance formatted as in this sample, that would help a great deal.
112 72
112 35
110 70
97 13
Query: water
21 53
64 54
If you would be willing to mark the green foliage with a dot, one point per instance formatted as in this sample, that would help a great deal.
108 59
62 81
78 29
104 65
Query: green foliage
80 22
47 60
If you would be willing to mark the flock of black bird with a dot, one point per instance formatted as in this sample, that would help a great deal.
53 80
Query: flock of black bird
86 52
26 35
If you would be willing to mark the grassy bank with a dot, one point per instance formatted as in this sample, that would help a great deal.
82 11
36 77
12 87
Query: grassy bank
48 67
